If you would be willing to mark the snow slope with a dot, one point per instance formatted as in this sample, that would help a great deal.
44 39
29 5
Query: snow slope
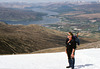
85 59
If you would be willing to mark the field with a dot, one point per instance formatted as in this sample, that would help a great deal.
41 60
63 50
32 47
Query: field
89 16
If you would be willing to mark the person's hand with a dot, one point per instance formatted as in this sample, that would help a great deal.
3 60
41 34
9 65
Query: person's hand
66 50
72 55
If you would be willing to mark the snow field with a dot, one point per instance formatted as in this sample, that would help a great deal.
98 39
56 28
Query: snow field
84 59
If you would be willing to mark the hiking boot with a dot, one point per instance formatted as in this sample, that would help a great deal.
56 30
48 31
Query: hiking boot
72 68
68 67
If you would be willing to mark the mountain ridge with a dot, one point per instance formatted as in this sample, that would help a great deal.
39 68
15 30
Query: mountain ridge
12 14
24 39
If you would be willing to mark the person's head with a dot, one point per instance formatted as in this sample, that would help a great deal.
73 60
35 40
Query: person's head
70 35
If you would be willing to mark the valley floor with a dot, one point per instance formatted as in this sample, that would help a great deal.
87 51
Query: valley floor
85 59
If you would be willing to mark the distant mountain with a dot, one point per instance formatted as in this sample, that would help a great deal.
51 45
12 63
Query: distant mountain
20 5
69 7
26 39
89 8
63 8
59 7
9 14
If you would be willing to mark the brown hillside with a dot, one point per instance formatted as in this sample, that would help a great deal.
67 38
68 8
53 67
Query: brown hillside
62 49
26 39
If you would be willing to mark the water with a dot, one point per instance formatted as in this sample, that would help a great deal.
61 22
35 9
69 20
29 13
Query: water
45 11
46 19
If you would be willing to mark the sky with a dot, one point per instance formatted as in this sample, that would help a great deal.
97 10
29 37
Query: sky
36 1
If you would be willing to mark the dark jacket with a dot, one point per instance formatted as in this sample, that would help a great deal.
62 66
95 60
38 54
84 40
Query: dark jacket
71 45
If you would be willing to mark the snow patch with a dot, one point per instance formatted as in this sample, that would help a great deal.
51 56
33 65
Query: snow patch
84 59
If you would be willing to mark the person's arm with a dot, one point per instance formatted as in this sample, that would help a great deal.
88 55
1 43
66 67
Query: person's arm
73 50
72 55
66 45
67 41
66 50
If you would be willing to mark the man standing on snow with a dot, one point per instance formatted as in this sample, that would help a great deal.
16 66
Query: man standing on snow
70 50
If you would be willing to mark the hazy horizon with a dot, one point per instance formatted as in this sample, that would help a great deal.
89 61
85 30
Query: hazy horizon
36 1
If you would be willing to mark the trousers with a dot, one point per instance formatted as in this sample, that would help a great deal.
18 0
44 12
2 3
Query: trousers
71 60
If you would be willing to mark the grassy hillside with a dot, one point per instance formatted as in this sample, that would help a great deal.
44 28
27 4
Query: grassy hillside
62 49
26 39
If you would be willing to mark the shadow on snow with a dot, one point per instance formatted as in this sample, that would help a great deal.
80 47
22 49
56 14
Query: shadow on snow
82 66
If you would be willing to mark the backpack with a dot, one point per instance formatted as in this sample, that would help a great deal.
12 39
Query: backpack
76 40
